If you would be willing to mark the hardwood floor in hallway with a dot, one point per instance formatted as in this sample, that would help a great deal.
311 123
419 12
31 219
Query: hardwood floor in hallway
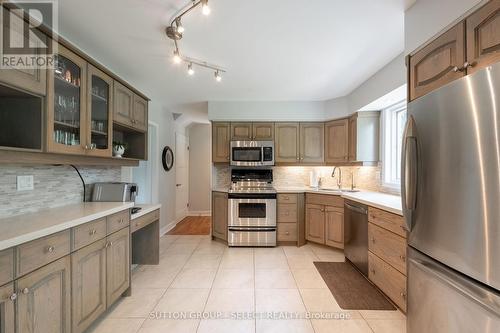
192 225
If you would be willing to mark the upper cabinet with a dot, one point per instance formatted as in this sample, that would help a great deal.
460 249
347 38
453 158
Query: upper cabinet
263 131
312 141
31 80
241 131
252 131
337 141
469 46
100 112
67 119
483 37
438 63
286 143
221 136
130 109
364 136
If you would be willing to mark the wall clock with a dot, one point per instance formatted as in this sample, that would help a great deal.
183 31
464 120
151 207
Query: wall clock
167 158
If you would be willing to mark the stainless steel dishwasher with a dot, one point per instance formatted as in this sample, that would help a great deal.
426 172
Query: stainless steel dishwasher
356 235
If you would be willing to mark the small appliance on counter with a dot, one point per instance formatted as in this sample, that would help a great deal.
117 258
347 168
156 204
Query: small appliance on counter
115 192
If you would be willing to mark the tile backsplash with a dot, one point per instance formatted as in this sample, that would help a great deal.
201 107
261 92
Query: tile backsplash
366 178
53 186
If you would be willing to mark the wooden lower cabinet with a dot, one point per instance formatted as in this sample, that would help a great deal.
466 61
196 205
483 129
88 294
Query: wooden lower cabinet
334 227
325 220
219 215
315 223
388 279
7 317
44 299
117 265
88 285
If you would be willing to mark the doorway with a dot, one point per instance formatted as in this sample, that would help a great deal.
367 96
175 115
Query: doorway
181 176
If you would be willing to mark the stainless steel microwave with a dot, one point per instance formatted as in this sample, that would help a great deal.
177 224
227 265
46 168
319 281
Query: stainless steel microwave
252 153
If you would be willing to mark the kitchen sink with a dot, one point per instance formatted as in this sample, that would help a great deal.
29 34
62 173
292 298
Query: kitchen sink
337 190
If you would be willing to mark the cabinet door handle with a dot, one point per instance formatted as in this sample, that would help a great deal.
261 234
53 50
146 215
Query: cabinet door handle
403 295
402 257
13 297
372 271
50 249
456 69
25 291
109 244
468 65
373 239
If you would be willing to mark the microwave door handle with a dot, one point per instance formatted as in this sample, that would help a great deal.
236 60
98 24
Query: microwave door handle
409 172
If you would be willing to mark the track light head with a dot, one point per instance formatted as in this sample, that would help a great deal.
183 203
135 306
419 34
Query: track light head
218 77
190 69
204 7
179 26
177 57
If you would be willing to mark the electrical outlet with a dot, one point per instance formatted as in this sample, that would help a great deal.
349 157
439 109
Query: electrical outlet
25 183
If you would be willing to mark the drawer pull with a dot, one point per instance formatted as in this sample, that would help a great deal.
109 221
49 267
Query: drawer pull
287 213
120 221
286 197
402 257
109 244
287 233
25 291
50 249
92 232
13 297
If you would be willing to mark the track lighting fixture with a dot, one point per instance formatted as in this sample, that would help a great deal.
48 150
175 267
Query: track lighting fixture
204 7
218 77
177 57
174 32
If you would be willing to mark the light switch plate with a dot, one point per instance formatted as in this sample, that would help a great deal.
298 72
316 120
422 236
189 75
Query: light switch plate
25 183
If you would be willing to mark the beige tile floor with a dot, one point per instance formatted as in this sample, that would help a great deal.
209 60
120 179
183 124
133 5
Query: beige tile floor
198 276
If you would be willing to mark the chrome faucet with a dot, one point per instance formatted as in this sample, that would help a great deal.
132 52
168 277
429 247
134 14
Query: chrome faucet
339 179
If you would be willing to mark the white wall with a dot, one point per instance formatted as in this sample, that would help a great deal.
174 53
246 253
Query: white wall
166 180
337 108
199 168
427 18
270 111
390 77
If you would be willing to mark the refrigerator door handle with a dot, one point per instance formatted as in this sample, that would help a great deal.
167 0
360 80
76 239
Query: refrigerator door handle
489 300
409 172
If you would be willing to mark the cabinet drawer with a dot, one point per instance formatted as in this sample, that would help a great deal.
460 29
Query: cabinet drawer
287 198
287 213
144 220
287 232
88 233
388 246
118 221
6 266
37 253
325 199
388 279
386 220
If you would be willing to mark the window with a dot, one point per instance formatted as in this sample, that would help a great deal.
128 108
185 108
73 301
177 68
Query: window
393 125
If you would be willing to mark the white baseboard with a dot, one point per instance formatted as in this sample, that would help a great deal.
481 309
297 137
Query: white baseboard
200 213
168 227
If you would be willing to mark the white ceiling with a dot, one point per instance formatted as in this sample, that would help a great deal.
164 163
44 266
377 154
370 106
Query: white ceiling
273 50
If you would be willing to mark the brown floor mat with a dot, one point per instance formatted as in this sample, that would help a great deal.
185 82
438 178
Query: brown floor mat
351 289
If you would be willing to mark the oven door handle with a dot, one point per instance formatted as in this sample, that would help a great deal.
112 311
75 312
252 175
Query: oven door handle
252 229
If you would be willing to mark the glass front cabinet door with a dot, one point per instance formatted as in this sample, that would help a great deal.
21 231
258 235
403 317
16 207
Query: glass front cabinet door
66 104
99 112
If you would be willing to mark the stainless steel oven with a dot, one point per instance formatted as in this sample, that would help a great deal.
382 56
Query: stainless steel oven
252 208
252 153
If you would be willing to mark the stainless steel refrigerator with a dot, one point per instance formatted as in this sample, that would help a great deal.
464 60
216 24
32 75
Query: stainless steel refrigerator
451 204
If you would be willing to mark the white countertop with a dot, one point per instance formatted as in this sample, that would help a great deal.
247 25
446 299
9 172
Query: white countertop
387 202
27 227
145 209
